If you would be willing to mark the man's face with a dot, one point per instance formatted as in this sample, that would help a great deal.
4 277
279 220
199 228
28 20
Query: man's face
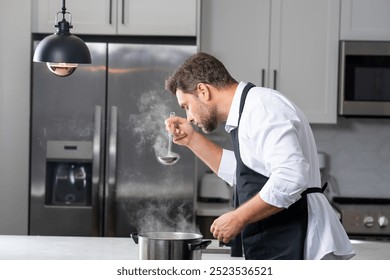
198 112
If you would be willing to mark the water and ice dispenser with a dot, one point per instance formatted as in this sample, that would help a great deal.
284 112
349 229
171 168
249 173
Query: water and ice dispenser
69 173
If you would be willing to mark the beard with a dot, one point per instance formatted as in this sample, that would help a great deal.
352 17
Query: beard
208 122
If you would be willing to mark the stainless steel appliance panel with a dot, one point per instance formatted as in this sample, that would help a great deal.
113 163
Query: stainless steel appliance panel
142 194
66 114
364 75
364 218
95 140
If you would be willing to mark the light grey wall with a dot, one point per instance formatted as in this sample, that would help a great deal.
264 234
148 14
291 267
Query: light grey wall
358 155
15 34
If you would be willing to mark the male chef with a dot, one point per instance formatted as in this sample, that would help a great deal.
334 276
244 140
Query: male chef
281 211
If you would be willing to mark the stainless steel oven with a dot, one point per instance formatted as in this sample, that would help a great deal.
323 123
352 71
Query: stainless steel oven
364 78
364 218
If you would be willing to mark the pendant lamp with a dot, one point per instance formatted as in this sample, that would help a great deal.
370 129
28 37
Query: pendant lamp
62 51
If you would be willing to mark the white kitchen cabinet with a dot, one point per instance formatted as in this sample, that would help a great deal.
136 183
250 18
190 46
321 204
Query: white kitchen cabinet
88 16
290 45
158 17
365 20
237 32
120 17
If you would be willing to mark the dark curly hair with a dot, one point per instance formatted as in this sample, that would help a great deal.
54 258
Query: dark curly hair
199 68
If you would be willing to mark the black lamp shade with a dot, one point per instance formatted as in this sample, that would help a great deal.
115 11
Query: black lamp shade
62 48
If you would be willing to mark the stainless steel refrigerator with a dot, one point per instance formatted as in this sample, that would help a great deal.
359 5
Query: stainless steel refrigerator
95 138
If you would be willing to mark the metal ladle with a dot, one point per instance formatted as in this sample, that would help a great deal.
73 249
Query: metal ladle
171 157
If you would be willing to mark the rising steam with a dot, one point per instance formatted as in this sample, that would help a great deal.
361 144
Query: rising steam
157 211
149 124
165 216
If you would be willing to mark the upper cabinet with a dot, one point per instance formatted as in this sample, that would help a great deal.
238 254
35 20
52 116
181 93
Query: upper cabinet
120 17
365 20
237 32
289 45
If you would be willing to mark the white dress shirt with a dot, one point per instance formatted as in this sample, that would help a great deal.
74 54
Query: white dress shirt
276 141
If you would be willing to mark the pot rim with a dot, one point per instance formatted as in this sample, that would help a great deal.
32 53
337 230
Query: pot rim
170 235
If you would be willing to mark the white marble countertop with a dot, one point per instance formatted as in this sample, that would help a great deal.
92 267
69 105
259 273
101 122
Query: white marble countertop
16 247
371 250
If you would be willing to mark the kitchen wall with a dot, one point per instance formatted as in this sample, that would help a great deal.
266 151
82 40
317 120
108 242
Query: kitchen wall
357 155
358 150
15 57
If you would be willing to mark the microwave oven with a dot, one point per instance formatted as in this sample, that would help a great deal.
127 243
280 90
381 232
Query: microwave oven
364 81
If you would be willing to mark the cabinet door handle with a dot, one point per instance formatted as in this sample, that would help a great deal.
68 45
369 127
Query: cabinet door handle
123 11
110 13
263 77
275 79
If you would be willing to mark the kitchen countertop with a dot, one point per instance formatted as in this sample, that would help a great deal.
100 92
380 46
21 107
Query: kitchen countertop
17 247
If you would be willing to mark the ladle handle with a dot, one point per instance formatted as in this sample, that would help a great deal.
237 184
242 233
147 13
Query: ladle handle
169 143
170 136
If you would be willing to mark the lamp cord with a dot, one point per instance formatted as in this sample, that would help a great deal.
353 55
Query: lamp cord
63 9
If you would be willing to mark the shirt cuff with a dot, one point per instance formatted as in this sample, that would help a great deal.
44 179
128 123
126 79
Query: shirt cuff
280 193
227 167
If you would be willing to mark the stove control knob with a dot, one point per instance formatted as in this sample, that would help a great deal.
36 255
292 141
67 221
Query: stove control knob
383 221
369 221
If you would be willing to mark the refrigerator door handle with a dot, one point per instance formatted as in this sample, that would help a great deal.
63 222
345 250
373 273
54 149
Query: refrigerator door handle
112 150
109 223
97 138
96 164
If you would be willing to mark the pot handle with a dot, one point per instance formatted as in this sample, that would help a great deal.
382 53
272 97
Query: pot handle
134 235
199 246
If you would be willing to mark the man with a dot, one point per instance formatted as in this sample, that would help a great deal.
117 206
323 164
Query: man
282 212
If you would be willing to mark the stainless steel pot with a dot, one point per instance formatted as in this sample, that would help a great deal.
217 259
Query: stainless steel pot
170 245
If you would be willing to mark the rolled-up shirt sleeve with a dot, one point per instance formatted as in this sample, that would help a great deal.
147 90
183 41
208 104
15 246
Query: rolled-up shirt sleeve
227 167
280 193
283 155
282 159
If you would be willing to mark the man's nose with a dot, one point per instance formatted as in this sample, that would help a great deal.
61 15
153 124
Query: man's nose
190 119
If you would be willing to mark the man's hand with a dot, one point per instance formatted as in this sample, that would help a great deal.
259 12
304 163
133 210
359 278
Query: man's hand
227 226
182 131
184 134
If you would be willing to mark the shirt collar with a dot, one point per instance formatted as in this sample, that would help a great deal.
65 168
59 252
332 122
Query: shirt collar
232 120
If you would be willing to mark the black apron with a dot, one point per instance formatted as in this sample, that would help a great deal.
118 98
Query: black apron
280 236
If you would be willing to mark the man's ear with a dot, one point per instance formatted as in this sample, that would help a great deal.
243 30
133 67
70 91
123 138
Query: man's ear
203 92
